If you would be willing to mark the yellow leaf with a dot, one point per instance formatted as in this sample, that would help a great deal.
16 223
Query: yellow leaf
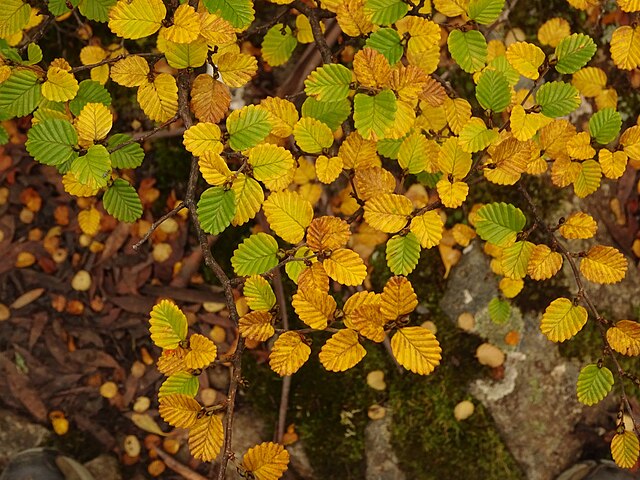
579 146
130 72
267 461
388 213
554 137
525 125
179 410
357 300
452 194
603 265
368 322
313 278
463 234
562 320
186 25
543 263
416 349
135 19
625 47
289 353
457 112
328 169
92 54
357 153
553 31
215 29
94 122
171 361
345 267
511 287
526 58
397 298
304 34
629 5
203 137
89 221
453 160
313 307
342 351
248 198
159 99
60 85
202 352
588 179
373 181
168 325
206 437
451 8
213 168
74 187
256 326
272 165
288 214
410 82
564 172
613 164
328 233
258 293
428 228
210 99
515 258
283 115
352 19
236 69
578 225
624 337
423 34
590 81
625 449
371 68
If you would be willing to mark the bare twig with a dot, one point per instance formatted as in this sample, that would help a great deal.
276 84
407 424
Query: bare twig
178 467
157 223
115 59
144 136
316 30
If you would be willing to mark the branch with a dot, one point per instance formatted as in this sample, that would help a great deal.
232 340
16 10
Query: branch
157 223
107 61
146 135
314 20
178 467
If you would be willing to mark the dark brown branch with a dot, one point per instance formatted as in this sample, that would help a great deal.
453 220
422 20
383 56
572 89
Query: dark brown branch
316 29
41 29
157 223
107 61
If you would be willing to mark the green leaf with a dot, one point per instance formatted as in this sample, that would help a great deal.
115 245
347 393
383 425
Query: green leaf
247 127
373 115
329 113
499 311
51 142
502 65
493 92
385 12
558 99
186 55
278 45
182 383
293 269
34 54
412 155
594 384
485 12
4 135
97 10
389 147
93 167
129 156
89 91
468 49
499 223
403 253
259 294
216 208
429 179
574 52
604 125
122 201
387 41
256 255
60 7
329 83
49 110
19 94
14 15
515 258
311 135
167 324
9 53
239 13
475 136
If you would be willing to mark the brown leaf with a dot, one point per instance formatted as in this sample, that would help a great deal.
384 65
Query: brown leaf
20 388
26 298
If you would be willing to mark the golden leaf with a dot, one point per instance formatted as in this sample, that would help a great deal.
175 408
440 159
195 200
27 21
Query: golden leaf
356 152
562 320
368 322
624 337
202 352
416 349
342 351
288 354
159 99
314 278
371 68
210 99
603 265
313 307
543 263
356 301
346 267
267 461
428 228
327 233
130 72
256 326
398 298
625 449
206 437
578 225
373 182
179 410
388 213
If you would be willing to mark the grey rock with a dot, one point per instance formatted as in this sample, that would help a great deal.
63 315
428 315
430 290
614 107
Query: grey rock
18 434
382 463
104 467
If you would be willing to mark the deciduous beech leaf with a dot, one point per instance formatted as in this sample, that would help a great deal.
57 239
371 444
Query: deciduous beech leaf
94 167
604 125
202 352
578 225
331 114
543 263
628 5
159 99
416 349
499 223
256 326
342 351
248 198
278 45
239 13
558 99
236 69
624 337
388 213
397 298
168 325
526 58
625 449
373 115
136 18
216 209
574 52
122 201
315 308
403 253
51 142
14 15
89 91
203 137
613 164
170 362
387 42
94 122
328 169
97 10
594 384
247 127
428 228
468 49
562 320
311 135
515 258
625 47
553 31
185 27
385 12
346 267
485 12
328 233
588 178
267 461
180 411
499 310
288 354
185 55
288 214
182 383
19 94
368 322
206 437
457 113
130 72
493 92
475 136
89 221
313 277
294 268
255 255
210 99
129 156
452 194
412 155
525 125
259 294
603 265
329 83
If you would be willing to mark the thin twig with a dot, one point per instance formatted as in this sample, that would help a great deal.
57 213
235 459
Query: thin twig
117 58
146 135
316 30
157 223
178 467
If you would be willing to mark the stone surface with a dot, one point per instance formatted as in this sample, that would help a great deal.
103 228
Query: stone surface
18 434
104 467
382 463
